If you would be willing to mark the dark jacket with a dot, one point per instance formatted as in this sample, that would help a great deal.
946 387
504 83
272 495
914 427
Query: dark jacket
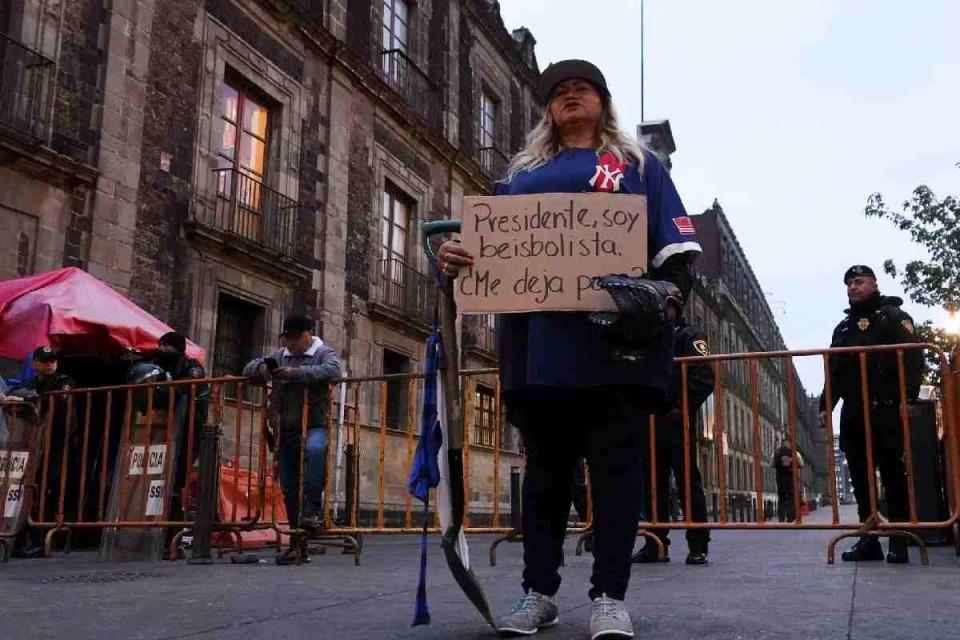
878 320
689 341
311 371
783 461
36 387
180 367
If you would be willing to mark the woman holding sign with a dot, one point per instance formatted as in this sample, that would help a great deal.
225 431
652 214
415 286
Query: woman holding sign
575 386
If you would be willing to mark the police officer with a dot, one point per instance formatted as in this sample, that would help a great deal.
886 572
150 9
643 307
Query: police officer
172 358
46 363
873 319
687 341
783 462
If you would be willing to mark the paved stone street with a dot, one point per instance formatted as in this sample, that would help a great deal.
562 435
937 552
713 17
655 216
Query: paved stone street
758 585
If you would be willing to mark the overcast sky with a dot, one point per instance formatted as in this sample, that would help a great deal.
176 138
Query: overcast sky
791 114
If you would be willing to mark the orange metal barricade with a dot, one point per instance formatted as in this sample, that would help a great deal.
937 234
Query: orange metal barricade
108 456
380 443
380 470
372 427
372 511
875 525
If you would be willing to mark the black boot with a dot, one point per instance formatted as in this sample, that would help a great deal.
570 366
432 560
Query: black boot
650 554
697 554
866 549
296 553
897 553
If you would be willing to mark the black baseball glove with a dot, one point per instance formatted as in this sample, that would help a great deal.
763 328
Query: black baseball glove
641 308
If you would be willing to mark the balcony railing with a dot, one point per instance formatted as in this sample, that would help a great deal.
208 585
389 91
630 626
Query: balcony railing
313 8
248 209
493 162
406 291
26 88
406 78
480 332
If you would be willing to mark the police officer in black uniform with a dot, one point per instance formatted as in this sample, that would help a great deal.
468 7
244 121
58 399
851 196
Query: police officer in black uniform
873 319
46 362
687 341
783 462
172 358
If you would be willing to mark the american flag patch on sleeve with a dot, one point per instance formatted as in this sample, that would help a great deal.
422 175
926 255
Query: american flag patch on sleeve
684 225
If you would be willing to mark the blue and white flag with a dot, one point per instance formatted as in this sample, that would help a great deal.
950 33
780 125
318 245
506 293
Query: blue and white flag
431 469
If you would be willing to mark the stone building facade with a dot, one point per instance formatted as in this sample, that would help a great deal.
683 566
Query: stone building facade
729 304
225 162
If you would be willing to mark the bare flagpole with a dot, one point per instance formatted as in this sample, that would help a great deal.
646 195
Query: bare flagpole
643 94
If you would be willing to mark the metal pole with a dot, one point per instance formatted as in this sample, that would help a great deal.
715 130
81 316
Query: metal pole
207 502
515 505
340 448
643 93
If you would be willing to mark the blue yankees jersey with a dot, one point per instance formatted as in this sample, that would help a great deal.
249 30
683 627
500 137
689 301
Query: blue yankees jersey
669 229
558 349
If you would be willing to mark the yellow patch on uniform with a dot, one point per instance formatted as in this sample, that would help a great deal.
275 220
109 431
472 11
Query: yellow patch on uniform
701 347
864 324
907 325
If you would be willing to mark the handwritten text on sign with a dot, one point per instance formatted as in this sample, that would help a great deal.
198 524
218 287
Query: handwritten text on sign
544 252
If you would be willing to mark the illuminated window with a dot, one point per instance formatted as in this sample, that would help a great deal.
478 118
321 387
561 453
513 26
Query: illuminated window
242 154
484 416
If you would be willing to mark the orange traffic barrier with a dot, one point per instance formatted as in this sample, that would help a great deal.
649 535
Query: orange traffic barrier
107 455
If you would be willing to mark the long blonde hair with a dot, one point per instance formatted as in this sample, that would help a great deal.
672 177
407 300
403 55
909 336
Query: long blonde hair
544 143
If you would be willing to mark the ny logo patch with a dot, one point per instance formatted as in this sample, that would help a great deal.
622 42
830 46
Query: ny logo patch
609 173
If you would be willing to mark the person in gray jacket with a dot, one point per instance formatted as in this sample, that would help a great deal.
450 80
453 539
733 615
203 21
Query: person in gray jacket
305 363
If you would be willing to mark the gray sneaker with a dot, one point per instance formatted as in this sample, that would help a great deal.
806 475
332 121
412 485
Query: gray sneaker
532 612
609 619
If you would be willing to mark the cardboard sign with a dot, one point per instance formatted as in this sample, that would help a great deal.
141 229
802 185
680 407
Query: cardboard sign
544 252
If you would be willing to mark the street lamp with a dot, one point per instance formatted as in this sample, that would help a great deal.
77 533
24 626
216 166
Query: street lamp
952 324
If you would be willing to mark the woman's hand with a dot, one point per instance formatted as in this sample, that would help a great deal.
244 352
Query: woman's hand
452 257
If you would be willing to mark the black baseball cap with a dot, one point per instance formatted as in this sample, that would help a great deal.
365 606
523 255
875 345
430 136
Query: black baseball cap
297 324
858 270
45 354
565 70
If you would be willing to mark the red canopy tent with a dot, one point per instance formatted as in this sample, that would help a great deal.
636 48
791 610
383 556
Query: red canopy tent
71 310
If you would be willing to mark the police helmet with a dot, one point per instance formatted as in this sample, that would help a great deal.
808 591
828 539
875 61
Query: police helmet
145 373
